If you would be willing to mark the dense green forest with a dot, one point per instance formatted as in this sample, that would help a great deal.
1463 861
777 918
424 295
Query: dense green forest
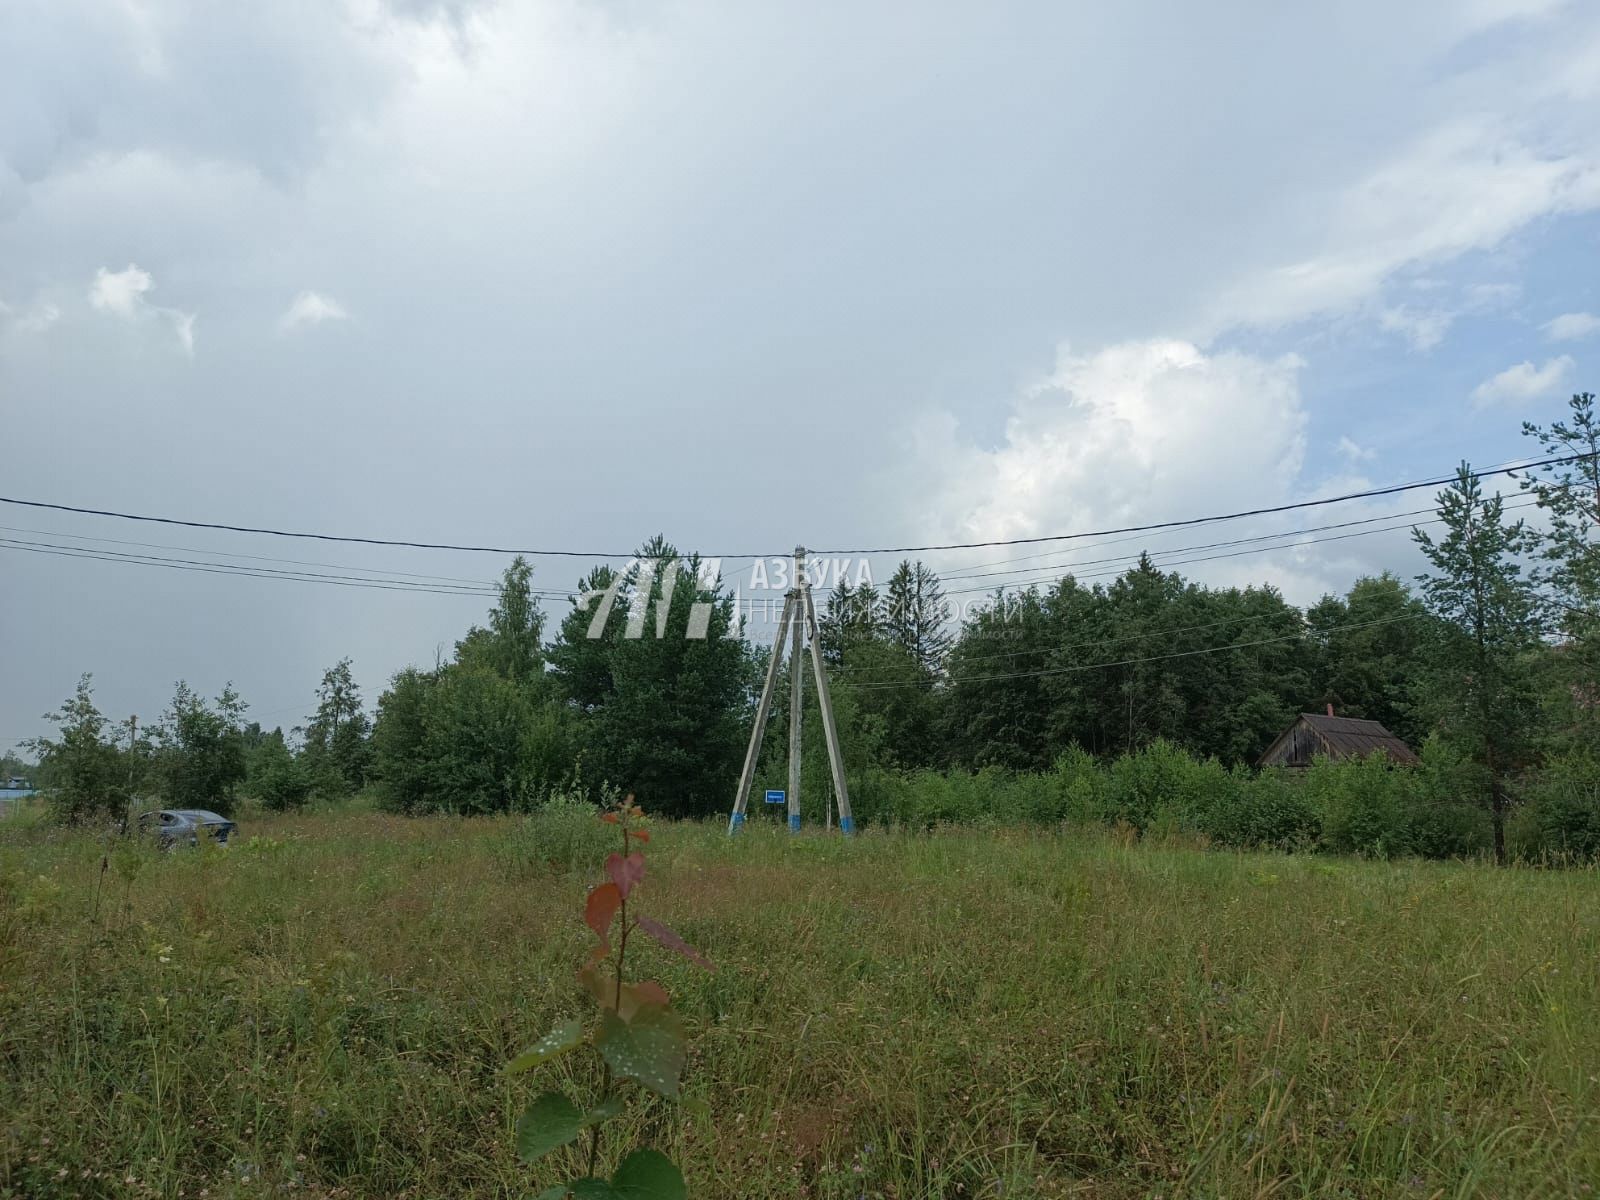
1143 700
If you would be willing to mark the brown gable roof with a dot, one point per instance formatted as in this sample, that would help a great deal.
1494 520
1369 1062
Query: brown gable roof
1338 737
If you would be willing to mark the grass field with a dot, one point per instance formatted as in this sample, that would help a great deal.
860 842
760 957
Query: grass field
325 1009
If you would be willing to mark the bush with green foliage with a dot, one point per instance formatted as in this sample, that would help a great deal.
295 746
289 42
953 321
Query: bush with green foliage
561 835
275 776
1269 810
200 755
1363 804
1366 807
1560 816
1160 783
89 777
466 740
1075 788
337 749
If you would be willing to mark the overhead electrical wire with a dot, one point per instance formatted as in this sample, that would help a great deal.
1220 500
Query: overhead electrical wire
971 570
1127 662
297 562
1063 570
1260 537
1512 466
112 556
1163 562
1268 510
1068 566
443 585
1059 646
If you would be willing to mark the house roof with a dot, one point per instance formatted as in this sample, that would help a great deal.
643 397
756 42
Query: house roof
1349 737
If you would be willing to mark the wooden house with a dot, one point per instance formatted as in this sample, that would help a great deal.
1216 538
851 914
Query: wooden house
1318 735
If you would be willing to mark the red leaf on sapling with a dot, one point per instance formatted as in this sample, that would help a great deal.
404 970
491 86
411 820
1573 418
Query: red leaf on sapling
609 818
642 834
672 941
600 909
625 872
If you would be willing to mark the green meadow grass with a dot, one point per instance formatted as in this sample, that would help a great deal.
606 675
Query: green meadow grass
325 1010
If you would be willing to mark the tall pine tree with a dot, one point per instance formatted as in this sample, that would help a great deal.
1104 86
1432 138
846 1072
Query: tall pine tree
1488 633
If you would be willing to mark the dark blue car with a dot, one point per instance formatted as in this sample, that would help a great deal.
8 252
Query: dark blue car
186 826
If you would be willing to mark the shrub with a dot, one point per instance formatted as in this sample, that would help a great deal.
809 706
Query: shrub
1562 814
277 778
562 835
1448 829
465 741
1272 809
1075 789
1362 804
1162 781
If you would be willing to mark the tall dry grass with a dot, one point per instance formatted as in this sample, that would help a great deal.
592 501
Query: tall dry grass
325 1009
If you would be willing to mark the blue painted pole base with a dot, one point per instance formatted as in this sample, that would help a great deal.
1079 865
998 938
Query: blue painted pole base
847 825
794 822
734 822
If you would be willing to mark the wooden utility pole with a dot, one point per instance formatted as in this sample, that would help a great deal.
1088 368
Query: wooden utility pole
799 622
796 681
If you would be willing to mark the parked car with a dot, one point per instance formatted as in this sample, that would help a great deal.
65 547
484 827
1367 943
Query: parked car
185 826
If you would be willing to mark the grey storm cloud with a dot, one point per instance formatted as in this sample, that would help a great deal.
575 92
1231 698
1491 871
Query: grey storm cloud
708 269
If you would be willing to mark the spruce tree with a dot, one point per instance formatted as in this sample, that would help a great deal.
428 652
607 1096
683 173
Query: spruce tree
1487 635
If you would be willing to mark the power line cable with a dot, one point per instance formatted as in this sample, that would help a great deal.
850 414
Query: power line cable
1204 558
218 569
1513 464
321 537
1130 637
298 562
1260 537
1268 510
1128 662
1370 493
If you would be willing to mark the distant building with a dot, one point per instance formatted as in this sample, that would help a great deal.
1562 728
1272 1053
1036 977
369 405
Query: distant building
18 783
1318 735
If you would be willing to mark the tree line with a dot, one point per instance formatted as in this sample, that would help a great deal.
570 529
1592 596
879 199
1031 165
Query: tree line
1491 655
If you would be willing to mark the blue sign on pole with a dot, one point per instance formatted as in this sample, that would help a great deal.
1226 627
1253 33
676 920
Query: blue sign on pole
777 796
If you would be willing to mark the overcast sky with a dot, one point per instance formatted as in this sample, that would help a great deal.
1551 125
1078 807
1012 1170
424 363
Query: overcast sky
565 275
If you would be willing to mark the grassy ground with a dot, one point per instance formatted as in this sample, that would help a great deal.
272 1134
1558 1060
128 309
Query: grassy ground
324 1010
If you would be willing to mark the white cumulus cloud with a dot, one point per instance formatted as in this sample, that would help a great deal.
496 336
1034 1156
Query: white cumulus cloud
1524 382
1149 431
311 308
1571 327
1135 430
122 293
